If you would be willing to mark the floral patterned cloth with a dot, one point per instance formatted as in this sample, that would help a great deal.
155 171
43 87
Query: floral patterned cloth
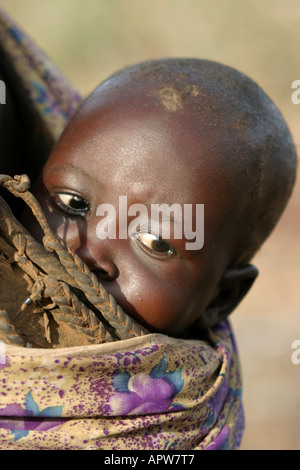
148 393
151 392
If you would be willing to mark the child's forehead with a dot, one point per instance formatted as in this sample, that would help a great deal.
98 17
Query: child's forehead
195 109
148 128
141 144
188 112
148 134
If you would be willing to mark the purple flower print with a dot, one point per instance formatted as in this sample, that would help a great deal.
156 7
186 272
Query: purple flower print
221 441
142 394
19 421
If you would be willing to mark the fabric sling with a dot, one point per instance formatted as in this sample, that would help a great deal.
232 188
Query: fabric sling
141 392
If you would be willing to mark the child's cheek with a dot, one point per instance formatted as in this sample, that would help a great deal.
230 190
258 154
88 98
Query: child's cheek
151 299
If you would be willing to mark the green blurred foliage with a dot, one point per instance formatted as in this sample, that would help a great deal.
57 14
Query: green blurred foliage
91 39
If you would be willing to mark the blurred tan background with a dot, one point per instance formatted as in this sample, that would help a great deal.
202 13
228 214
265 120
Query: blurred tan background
90 39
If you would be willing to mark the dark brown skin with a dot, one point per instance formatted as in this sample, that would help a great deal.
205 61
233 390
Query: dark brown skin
131 144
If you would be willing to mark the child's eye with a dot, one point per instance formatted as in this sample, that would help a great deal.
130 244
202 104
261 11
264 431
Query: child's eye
154 245
71 204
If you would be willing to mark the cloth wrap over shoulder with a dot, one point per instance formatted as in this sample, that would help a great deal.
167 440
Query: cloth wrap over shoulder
147 393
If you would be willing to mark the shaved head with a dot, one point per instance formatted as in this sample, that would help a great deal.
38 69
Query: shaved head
255 151
172 131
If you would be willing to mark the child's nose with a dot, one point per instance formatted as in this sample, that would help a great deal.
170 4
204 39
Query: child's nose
98 260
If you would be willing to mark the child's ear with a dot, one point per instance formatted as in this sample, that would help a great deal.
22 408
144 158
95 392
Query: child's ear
234 285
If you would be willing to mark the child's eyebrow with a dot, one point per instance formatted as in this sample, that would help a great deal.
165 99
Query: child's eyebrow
67 166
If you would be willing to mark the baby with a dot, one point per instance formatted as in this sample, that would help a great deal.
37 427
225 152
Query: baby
188 132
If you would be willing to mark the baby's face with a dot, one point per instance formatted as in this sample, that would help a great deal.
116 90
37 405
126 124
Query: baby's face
148 155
